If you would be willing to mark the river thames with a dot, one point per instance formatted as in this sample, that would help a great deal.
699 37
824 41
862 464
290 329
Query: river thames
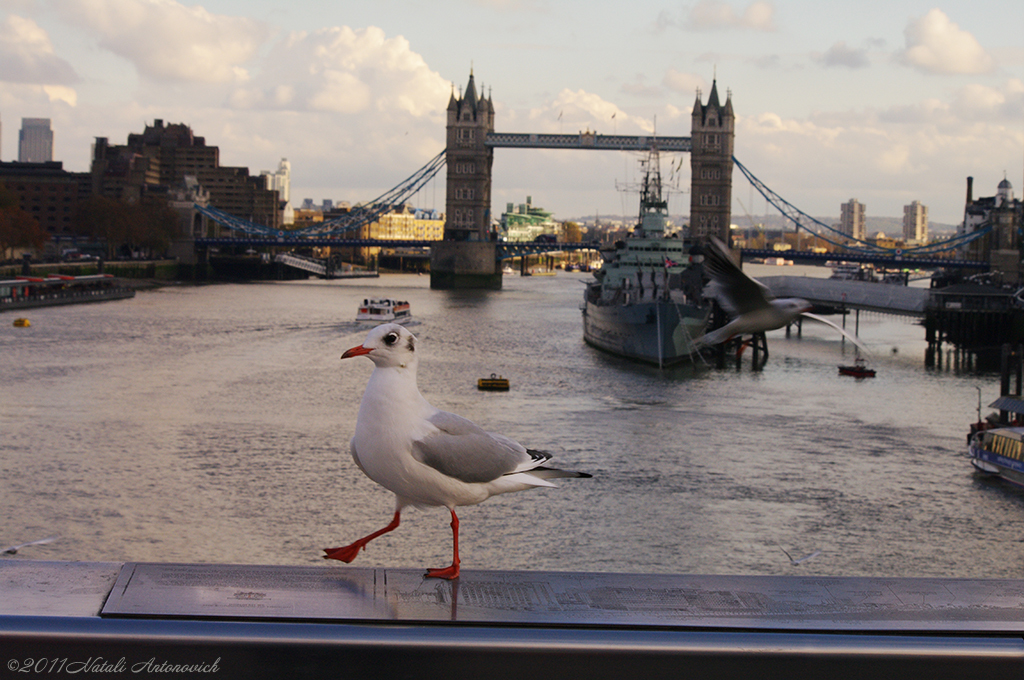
211 424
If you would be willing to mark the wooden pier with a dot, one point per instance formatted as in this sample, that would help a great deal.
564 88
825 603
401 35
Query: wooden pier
975 321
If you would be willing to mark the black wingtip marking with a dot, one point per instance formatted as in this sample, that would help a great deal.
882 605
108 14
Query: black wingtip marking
538 455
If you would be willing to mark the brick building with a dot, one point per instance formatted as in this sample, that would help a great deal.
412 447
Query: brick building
163 156
47 192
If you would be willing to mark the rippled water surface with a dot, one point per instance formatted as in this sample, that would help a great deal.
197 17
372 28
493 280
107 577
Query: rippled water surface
211 424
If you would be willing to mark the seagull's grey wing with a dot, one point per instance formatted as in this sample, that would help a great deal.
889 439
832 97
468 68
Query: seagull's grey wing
463 450
853 338
737 292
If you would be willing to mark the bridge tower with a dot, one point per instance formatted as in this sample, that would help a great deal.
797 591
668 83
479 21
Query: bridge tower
712 132
467 258
468 203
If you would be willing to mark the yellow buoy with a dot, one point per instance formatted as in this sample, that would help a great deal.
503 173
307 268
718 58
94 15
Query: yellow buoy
22 323
495 383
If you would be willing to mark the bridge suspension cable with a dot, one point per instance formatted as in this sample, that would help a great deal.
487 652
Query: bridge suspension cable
371 210
357 217
799 217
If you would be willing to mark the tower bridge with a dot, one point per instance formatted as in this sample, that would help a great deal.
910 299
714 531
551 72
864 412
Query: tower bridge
469 256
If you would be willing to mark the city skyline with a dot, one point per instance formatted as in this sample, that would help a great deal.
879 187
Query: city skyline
889 104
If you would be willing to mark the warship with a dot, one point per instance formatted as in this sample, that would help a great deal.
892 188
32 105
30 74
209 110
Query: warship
645 302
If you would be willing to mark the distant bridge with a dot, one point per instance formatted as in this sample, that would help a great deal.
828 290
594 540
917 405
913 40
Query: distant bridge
506 249
889 260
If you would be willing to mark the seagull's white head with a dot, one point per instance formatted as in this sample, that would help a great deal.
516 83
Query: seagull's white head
387 346
794 306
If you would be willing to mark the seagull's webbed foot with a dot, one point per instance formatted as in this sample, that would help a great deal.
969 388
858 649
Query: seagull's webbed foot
449 573
348 553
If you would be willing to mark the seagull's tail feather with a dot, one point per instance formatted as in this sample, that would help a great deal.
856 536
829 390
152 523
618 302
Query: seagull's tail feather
539 476
555 473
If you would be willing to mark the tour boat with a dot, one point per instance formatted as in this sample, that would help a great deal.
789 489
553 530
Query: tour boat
383 310
1000 452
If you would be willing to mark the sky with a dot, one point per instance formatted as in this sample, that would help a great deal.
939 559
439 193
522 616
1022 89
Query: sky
886 102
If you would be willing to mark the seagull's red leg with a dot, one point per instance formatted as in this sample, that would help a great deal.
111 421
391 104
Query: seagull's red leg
452 571
349 552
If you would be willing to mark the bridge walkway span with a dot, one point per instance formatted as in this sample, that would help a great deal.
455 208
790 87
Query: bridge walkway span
873 297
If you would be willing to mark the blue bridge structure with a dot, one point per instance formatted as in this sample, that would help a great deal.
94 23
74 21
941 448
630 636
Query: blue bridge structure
337 232
506 249
887 260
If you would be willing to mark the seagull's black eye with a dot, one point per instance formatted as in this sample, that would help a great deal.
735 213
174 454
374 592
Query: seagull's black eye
390 339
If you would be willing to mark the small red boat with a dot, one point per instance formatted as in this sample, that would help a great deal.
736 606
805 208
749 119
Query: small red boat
859 369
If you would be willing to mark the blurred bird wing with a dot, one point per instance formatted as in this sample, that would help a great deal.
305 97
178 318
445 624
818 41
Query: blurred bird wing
737 292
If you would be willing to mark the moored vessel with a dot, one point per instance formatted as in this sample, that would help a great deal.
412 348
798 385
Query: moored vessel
645 302
27 292
858 369
384 310
999 451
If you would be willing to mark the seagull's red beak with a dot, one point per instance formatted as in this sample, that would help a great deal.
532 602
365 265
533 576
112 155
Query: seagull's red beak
356 352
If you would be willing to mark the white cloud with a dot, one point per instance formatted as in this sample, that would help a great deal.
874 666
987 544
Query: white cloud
683 83
27 55
575 111
718 15
167 41
937 45
59 93
886 157
345 71
842 55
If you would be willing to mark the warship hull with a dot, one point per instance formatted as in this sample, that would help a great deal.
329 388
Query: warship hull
659 333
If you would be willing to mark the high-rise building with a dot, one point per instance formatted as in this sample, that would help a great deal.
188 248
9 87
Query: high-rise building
469 159
35 141
851 219
281 182
915 222
712 131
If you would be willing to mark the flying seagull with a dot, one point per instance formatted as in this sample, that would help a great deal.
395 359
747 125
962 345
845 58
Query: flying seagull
799 560
13 550
751 304
426 456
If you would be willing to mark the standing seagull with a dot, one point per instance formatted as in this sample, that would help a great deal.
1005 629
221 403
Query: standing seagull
750 302
426 456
